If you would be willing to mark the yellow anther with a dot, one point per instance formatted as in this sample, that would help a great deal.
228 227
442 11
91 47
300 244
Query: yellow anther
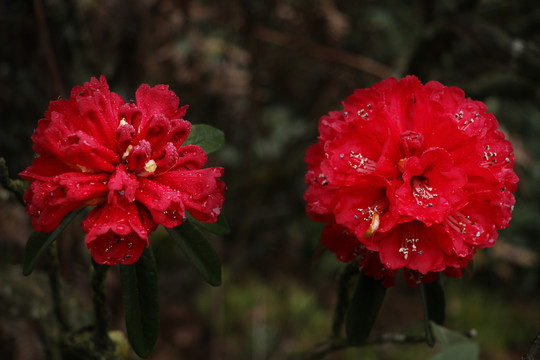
126 153
150 166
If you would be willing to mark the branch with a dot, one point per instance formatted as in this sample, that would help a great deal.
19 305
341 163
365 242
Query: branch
328 53
54 283
17 187
101 338
534 350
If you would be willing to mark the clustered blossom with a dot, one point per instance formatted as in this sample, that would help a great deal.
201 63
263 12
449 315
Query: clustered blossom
127 160
410 176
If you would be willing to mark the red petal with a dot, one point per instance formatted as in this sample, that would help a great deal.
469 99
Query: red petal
158 100
165 204
48 202
414 246
202 193
432 187
43 168
112 249
117 233
122 184
190 157
341 242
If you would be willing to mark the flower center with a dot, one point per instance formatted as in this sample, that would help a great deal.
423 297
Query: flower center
373 215
361 163
462 224
412 142
422 192
409 242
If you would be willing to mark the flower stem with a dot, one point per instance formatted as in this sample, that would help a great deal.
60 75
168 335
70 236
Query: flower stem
54 284
101 338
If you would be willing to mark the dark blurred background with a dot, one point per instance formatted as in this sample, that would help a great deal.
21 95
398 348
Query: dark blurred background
264 71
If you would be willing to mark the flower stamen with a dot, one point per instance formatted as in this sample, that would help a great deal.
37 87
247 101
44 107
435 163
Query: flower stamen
126 153
149 168
374 226
361 164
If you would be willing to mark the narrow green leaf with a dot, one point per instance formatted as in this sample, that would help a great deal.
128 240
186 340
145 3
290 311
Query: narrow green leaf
207 137
434 306
363 309
198 250
220 227
435 301
39 242
141 302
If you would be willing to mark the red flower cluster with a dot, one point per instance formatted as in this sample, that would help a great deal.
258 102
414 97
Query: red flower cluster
127 160
410 176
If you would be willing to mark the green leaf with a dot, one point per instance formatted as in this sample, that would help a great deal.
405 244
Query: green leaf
435 301
198 250
434 306
462 351
363 309
446 336
220 227
141 302
207 137
454 345
38 242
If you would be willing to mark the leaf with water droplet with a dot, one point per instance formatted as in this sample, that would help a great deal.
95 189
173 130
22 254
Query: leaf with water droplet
207 137
198 250
141 302
39 242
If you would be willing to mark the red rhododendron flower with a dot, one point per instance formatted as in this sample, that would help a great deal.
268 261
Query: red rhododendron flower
127 160
410 176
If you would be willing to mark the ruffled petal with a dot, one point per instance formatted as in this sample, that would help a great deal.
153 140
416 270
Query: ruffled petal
117 234
165 204
201 191
48 202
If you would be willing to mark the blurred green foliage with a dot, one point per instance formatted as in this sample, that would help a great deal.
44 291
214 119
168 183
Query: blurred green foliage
264 72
